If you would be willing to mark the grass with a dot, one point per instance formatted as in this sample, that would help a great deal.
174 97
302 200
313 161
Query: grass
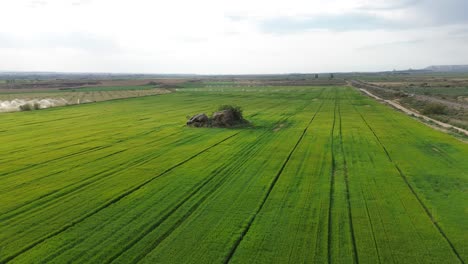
324 174
447 92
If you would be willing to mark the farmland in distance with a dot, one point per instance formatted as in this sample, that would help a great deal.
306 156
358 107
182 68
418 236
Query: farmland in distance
324 174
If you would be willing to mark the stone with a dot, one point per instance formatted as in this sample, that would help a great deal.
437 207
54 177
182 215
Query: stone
199 120
224 118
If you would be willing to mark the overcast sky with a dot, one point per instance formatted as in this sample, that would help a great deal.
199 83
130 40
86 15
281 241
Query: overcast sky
241 36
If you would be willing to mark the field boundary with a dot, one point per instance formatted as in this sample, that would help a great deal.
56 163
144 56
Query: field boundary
414 114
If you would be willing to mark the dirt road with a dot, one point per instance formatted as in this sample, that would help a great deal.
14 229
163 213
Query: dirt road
420 97
413 113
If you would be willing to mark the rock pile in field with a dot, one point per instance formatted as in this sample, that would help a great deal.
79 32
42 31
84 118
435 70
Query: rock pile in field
199 120
224 118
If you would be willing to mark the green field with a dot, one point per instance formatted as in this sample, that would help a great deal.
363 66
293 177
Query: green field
323 175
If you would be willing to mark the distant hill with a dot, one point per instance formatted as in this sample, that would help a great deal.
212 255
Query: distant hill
448 68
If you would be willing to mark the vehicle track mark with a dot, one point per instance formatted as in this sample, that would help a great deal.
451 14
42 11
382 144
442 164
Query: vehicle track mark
192 209
405 179
332 187
109 203
270 188
74 187
348 197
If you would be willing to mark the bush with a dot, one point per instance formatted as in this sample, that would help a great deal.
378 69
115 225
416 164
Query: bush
236 110
401 94
434 109
29 107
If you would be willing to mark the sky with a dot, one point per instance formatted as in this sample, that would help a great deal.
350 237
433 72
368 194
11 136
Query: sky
231 37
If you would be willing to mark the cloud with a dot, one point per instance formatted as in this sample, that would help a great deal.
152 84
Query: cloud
391 45
384 5
445 12
342 22
242 36
79 41
45 3
37 3
374 15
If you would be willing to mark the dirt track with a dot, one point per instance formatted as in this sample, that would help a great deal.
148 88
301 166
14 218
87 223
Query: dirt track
412 113
419 97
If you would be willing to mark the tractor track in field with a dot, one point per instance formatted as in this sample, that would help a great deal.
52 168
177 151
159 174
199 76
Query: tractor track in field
246 155
154 226
52 120
81 184
270 188
332 187
74 187
189 195
19 209
319 218
110 202
421 203
10 188
379 218
58 141
204 183
157 242
194 207
348 197
371 225
154 129
92 149
22 149
72 190
88 150
105 146
383 226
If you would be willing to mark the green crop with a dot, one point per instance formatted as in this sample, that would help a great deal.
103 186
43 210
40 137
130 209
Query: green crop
324 174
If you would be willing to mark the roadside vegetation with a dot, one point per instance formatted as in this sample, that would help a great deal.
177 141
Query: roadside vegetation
442 97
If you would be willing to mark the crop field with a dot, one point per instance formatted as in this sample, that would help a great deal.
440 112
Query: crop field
323 175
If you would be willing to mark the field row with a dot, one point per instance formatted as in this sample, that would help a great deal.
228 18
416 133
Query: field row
324 175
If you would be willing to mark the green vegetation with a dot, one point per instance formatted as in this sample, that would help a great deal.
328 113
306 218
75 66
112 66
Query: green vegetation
434 109
448 92
30 107
324 174
235 109
443 97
